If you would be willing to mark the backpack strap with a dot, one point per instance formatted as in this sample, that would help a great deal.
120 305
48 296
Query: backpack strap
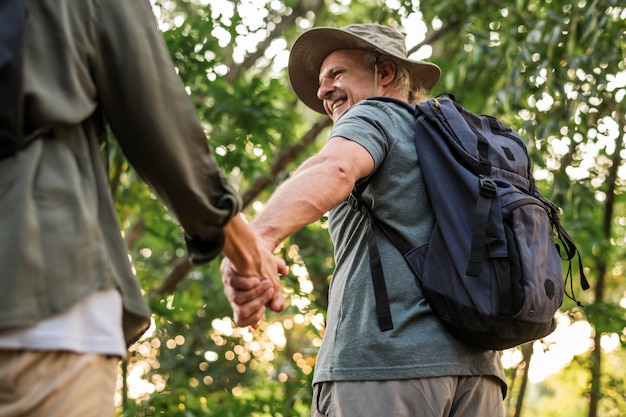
454 115
571 251
383 312
487 189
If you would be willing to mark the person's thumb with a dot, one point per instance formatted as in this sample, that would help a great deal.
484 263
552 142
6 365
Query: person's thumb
282 267
277 304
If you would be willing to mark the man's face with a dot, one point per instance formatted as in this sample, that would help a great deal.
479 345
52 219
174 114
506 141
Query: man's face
344 81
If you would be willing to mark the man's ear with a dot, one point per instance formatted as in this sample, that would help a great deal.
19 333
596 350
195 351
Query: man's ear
386 72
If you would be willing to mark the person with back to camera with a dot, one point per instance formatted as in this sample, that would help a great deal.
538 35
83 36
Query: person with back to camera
69 303
416 368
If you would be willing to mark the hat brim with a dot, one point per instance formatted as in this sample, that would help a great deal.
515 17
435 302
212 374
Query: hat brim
314 45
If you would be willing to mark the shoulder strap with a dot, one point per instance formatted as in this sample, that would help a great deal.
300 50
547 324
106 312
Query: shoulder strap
383 312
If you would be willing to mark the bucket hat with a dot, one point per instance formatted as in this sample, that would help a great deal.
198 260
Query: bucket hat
313 46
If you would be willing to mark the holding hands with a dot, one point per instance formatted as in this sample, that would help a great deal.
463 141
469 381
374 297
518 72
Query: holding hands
249 295
250 273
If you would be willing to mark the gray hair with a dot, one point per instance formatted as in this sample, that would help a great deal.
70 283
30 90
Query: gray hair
402 81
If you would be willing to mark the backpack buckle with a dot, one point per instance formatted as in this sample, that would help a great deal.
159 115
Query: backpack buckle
488 186
353 201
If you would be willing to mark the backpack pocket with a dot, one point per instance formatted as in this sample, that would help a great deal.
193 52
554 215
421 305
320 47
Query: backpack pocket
534 260
520 285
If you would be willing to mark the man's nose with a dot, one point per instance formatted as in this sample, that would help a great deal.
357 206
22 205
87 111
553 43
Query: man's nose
325 89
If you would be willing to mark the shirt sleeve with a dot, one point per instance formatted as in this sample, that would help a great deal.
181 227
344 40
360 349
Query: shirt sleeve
368 124
156 124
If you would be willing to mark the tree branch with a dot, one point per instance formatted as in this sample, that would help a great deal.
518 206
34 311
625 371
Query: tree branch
182 267
134 233
436 35
283 159
285 23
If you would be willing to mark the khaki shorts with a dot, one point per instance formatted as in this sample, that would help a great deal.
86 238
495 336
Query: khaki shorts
473 396
56 384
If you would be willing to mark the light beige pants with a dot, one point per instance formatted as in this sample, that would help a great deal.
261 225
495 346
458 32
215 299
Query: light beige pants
424 397
56 384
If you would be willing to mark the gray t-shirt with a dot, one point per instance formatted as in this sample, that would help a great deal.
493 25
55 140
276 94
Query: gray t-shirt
354 348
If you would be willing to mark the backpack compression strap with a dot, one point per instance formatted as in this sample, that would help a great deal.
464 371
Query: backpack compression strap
455 117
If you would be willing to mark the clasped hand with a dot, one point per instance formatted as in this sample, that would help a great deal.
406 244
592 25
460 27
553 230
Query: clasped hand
250 295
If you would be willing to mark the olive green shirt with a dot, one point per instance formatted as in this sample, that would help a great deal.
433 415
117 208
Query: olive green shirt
59 235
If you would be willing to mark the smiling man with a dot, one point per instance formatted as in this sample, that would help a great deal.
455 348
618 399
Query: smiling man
414 368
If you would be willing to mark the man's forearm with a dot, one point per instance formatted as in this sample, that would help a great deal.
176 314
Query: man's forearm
310 193
240 246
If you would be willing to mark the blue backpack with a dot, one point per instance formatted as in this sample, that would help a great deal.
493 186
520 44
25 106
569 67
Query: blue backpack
491 271
12 18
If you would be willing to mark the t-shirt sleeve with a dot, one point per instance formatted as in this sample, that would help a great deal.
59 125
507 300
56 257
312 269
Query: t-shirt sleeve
369 124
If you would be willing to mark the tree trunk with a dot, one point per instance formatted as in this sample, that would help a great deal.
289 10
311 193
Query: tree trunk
602 266
527 351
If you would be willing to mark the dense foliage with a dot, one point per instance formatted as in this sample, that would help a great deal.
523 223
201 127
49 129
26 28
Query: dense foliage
555 70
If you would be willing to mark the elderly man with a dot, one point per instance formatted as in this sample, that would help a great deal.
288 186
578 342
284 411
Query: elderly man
416 368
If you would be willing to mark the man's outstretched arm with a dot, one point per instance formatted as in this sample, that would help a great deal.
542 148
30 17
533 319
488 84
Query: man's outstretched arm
317 186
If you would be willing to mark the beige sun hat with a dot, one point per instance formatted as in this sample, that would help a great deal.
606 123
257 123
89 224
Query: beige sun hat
314 45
